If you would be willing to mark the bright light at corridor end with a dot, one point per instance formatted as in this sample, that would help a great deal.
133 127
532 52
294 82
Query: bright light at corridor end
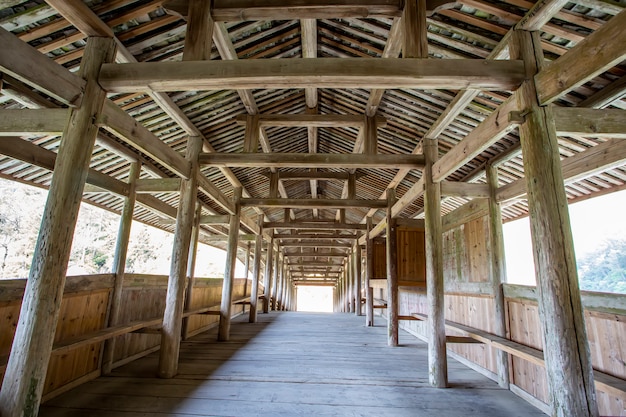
315 299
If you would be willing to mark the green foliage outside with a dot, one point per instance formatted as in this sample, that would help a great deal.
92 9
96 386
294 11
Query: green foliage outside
93 248
604 269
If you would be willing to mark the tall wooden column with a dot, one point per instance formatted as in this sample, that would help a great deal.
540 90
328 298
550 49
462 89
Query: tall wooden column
246 271
498 273
350 279
267 279
392 273
275 277
119 264
566 349
357 275
26 370
369 273
229 271
256 272
191 267
437 360
173 316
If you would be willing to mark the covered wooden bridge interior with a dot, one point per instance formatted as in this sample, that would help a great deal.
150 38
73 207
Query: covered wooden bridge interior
374 146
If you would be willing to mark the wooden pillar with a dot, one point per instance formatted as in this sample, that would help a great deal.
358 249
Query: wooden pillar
256 272
199 36
246 272
498 273
370 136
357 275
275 278
415 29
279 283
369 273
119 264
392 273
437 360
173 316
191 267
26 369
267 279
229 270
566 349
350 276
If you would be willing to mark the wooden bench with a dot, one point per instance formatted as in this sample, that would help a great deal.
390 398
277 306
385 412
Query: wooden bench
604 382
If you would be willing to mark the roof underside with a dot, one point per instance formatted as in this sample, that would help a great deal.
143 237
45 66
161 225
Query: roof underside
467 29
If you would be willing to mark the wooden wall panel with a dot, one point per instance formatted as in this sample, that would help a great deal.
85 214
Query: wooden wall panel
466 253
475 312
9 314
379 259
80 314
411 255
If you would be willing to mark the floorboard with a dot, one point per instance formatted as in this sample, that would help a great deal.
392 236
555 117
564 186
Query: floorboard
292 364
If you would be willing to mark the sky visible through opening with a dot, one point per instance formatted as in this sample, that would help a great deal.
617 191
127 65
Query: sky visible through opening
593 222
315 299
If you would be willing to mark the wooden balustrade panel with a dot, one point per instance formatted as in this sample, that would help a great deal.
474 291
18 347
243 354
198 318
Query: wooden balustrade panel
81 313
206 292
476 312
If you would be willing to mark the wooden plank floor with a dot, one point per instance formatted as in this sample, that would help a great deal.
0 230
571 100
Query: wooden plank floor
292 364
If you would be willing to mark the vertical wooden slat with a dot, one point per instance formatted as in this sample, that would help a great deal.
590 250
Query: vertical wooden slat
566 349
173 316
256 272
26 370
498 273
229 270
437 361
119 264
392 272
199 35
369 274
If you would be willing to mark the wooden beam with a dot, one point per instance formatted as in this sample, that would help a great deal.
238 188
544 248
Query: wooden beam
606 45
310 203
215 193
118 122
305 176
464 189
494 127
28 65
27 122
251 139
311 120
304 160
228 11
25 375
315 245
590 122
267 277
309 50
30 153
315 236
599 158
540 14
229 271
158 185
256 273
319 73
465 214
314 226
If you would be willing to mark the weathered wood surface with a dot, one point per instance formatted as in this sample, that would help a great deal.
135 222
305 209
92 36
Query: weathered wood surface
325 362
321 73
311 160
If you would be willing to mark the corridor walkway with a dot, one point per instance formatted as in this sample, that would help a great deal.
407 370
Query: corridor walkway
292 364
